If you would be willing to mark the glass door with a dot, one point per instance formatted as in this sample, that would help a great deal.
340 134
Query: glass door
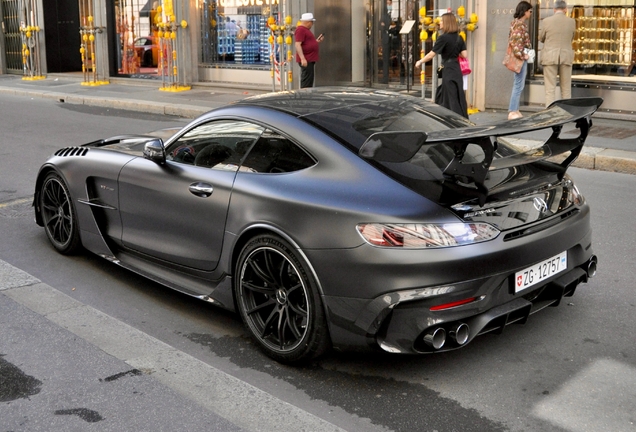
392 53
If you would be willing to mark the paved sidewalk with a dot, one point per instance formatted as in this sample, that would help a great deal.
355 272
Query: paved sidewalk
610 146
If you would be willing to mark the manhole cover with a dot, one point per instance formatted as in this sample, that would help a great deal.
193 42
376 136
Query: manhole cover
17 208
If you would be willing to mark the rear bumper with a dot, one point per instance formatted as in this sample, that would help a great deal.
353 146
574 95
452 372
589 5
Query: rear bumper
412 334
409 326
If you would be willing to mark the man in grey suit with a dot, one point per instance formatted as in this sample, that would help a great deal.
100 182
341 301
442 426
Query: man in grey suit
557 55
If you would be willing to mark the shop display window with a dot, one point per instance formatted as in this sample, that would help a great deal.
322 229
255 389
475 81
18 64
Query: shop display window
605 38
235 32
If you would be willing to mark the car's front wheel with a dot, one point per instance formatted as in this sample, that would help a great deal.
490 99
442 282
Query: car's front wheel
58 215
279 302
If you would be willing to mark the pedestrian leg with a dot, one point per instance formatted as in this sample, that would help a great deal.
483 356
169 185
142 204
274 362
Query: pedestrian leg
549 75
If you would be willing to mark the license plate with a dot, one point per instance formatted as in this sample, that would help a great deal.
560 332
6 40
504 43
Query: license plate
539 272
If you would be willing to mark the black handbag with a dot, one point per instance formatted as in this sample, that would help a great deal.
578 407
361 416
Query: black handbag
440 70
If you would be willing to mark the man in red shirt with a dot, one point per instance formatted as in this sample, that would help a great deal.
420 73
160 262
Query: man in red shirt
307 49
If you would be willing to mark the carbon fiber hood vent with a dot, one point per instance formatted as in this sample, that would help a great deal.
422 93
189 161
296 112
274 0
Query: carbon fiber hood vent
71 151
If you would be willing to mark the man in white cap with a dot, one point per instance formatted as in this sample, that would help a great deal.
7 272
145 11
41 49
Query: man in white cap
307 49
557 55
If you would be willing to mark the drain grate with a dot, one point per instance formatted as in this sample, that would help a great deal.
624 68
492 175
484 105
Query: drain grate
17 208
608 132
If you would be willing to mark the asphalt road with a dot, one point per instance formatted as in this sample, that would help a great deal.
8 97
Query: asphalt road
570 368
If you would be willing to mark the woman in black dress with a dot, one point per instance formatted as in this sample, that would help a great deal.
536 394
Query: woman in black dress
450 45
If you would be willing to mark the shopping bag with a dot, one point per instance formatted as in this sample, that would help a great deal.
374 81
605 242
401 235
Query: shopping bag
464 65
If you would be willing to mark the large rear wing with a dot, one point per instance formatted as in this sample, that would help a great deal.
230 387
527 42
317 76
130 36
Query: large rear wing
402 146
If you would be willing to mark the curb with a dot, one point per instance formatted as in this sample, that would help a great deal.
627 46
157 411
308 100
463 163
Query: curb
592 158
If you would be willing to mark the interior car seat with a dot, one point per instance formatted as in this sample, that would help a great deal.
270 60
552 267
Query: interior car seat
212 155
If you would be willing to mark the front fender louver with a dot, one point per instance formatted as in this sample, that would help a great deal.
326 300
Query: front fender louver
71 151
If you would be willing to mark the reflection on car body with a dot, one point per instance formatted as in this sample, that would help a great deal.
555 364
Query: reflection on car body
337 217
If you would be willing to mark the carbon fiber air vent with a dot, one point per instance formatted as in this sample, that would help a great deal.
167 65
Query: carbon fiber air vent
72 151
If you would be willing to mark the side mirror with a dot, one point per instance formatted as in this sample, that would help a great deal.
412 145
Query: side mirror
392 146
155 151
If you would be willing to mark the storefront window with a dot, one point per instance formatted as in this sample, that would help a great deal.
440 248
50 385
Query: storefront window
235 32
137 42
604 43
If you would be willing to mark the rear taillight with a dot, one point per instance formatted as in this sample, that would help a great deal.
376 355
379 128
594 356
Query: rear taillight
426 235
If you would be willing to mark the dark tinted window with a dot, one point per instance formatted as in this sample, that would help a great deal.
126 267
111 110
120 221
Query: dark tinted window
274 153
352 125
217 144
424 172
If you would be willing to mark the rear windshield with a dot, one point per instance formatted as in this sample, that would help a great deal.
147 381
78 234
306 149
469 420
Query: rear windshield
352 125
424 172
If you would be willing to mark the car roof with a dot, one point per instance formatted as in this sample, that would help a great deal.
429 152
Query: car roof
355 101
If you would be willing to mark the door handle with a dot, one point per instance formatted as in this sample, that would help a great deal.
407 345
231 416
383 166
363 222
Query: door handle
201 189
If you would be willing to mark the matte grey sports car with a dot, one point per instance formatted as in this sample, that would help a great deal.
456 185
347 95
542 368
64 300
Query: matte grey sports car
337 217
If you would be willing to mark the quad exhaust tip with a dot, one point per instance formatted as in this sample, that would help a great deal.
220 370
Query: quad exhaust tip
459 333
591 267
435 338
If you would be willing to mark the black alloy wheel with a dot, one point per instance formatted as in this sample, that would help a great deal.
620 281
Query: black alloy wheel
279 302
58 215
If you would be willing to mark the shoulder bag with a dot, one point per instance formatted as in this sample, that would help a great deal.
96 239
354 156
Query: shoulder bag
511 62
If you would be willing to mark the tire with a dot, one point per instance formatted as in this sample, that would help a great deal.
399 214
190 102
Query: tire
58 215
278 301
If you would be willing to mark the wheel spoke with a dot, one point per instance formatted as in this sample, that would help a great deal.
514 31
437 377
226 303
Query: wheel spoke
271 269
262 274
281 328
50 207
57 229
298 310
50 195
268 322
290 291
265 304
262 290
291 324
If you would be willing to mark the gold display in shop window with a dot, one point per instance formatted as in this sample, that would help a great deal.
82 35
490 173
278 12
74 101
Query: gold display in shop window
604 35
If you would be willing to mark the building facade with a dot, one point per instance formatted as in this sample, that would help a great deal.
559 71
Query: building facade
249 43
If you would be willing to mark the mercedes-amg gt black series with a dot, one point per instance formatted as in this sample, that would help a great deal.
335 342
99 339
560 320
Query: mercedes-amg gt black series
337 217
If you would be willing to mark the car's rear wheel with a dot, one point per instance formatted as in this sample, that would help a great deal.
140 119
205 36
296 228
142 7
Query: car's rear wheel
279 302
58 215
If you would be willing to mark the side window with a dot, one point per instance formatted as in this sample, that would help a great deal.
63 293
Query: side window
274 153
217 144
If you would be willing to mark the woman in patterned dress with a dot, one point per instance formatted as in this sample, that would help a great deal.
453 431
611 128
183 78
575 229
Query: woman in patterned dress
519 40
